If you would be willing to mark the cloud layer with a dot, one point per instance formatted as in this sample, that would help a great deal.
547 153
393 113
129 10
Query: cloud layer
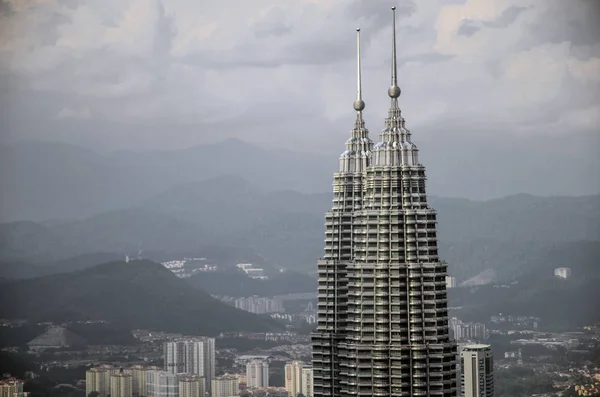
281 72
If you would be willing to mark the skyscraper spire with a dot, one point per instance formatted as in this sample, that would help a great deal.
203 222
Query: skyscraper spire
358 148
394 90
359 104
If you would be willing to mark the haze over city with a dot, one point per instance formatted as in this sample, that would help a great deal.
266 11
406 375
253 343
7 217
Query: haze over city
299 198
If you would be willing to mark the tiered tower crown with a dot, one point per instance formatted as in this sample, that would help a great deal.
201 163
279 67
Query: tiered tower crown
356 157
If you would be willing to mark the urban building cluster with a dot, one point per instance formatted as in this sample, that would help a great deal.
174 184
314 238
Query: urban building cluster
257 305
310 318
189 371
591 389
468 331
184 268
515 322
251 271
141 381
189 368
12 387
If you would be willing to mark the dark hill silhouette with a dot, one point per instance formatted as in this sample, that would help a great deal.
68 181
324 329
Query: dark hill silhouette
138 294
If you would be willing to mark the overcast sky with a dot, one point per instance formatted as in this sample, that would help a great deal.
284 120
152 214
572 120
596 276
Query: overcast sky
502 81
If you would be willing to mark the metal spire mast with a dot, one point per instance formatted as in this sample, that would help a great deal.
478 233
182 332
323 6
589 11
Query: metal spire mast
394 90
359 104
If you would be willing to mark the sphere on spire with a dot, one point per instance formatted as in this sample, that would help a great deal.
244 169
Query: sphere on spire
359 105
394 91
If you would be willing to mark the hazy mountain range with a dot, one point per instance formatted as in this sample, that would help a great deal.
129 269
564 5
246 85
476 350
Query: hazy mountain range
536 292
229 202
45 180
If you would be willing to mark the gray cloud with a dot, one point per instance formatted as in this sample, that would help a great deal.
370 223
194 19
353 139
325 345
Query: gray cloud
505 19
468 28
138 74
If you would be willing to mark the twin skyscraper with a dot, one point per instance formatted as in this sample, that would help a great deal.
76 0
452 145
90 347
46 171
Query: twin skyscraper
382 303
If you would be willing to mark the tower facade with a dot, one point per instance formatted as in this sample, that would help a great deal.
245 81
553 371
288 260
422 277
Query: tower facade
293 377
257 373
162 384
191 356
382 304
477 365
192 386
121 384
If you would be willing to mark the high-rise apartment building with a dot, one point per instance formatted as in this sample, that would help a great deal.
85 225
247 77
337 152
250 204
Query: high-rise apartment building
382 301
191 356
293 377
307 381
12 387
298 379
138 373
121 384
477 366
192 386
225 386
257 373
162 384
98 380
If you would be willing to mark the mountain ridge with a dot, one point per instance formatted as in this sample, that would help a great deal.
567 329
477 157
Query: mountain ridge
138 294
285 228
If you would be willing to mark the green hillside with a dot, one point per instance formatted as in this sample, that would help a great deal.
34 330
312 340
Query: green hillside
138 294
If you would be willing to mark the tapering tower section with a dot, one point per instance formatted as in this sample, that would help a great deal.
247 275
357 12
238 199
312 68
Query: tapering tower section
394 340
339 236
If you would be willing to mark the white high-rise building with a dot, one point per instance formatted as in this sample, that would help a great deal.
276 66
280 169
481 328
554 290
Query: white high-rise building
225 386
450 282
477 365
191 356
307 381
162 384
98 380
121 384
192 386
298 379
138 373
293 377
257 373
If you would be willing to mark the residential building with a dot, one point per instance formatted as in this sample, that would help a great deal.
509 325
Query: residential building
257 373
477 371
12 387
382 325
225 386
162 384
121 384
307 387
451 282
138 373
98 380
192 386
293 378
191 356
